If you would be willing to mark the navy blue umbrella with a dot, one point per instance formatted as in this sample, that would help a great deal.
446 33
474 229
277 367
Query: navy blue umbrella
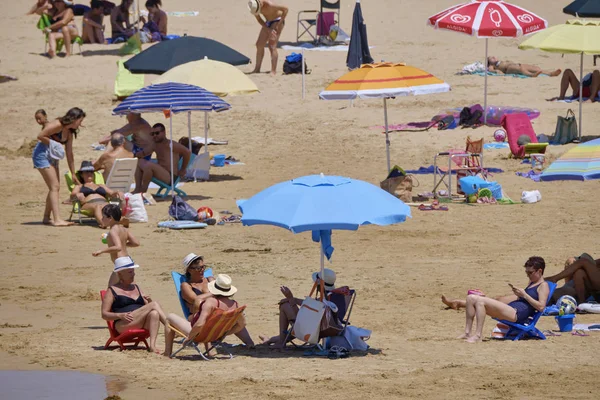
165 55
358 50
584 8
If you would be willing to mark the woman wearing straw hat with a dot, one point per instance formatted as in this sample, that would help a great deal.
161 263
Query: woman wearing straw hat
289 306
125 304
221 290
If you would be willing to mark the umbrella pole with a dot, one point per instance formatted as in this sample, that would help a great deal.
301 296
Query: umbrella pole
171 148
321 275
485 84
206 131
387 137
580 92
303 66
190 130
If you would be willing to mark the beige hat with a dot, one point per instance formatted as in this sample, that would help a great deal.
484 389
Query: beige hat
328 278
190 258
254 7
222 286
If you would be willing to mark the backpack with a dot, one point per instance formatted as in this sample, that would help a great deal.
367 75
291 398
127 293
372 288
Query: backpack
182 211
470 118
293 64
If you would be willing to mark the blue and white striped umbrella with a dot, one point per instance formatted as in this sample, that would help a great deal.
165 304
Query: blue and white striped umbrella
177 97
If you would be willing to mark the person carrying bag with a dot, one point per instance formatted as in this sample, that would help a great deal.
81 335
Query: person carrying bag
566 129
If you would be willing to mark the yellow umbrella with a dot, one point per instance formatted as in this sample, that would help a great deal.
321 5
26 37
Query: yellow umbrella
383 81
575 36
217 77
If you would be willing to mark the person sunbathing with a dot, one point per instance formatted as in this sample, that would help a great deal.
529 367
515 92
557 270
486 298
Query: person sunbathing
92 27
509 67
63 28
289 307
517 307
221 290
92 196
126 305
118 239
582 278
591 86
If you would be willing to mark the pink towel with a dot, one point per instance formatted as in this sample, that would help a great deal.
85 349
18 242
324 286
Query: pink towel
324 22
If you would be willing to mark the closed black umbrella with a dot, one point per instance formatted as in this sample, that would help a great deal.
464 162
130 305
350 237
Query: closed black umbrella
584 8
165 55
358 50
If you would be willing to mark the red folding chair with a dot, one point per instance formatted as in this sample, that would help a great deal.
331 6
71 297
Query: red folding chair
134 336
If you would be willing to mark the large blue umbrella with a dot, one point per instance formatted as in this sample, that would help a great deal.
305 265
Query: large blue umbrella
176 98
321 203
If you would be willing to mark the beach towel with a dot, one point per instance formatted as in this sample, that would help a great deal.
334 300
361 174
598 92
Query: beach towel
200 139
430 170
495 145
572 99
183 13
182 225
491 73
469 69
534 176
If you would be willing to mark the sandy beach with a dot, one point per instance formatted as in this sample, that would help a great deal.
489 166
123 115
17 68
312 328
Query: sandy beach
49 290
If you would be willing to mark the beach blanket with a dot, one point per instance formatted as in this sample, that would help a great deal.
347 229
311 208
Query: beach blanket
534 176
490 73
312 47
182 225
430 170
200 139
573 99
183 13
472 68
495 145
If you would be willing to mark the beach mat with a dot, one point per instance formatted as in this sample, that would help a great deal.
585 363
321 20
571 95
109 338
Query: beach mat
481 73
574 99
182 225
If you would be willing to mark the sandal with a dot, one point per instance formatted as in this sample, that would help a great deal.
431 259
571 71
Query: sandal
338 352
579 332
551 333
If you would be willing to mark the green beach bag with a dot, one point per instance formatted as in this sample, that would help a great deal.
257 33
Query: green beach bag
566 129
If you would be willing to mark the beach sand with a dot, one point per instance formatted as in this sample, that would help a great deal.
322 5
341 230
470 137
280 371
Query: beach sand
49 291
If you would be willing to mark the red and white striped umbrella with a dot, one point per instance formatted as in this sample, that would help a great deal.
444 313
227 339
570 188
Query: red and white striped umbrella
488 19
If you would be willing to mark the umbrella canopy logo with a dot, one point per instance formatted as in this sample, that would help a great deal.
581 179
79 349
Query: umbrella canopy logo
460 19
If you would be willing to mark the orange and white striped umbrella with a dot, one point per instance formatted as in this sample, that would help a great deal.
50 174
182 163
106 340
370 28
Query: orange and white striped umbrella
383 80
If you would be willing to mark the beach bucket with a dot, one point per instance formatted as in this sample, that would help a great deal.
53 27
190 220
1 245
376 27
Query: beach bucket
565 322
219 160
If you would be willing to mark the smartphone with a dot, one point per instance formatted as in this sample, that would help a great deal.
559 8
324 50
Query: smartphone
511 286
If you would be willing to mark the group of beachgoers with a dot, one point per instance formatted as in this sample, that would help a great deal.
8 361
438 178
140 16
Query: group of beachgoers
582 281
62 28
135 139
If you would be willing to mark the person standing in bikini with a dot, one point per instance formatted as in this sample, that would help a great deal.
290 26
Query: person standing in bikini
270 31
509 67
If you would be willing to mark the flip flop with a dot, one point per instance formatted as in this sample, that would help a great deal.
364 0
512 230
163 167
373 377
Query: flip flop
432 207
551 333
579 332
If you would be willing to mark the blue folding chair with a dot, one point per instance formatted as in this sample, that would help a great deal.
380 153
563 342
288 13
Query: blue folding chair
178 279
518 331
166 187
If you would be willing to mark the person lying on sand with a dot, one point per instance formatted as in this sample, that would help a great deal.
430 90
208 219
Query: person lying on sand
118 239
509 67
221 291
289 307
591 85
517 307
162 169
126 305
92 196
582 278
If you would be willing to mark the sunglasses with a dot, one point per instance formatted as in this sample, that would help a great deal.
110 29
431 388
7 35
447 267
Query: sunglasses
197 267
155 133
531 272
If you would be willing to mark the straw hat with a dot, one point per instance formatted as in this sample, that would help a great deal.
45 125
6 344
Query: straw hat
254 6
123 263
190 258
328 278
222 286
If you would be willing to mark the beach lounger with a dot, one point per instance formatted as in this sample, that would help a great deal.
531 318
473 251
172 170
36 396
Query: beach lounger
127 83
76 209
322 20
134 336
122 174
217 327
519 124
519 331
467 163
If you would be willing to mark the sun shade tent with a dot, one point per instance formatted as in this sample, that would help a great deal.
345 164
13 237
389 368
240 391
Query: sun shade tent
488 19
383 81
175 98
581 163
573 37
168 54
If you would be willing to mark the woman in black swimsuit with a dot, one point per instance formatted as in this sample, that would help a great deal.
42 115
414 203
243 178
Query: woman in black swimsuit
195 290
125 304
93 197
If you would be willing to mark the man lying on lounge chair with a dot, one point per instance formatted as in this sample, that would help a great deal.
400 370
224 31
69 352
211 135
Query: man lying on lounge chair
591 85
509 67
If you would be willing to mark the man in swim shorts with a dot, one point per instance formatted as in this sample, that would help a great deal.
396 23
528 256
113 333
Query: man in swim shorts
137 133
270 31
591 85
509 67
